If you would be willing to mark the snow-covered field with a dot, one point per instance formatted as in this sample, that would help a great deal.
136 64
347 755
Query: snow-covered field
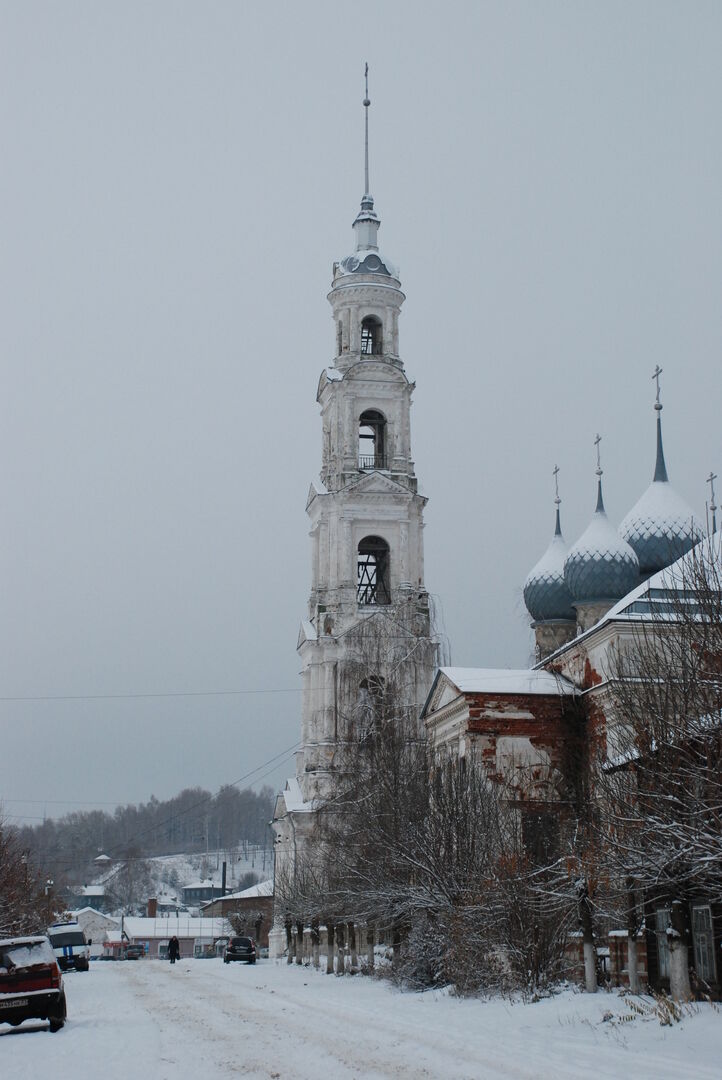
203 1018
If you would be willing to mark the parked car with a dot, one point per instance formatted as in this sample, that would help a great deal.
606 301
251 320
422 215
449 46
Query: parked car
31 984
240 948
71 947
134 952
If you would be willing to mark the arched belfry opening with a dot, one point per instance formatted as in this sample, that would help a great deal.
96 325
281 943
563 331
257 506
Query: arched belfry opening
372 440
373 566
371 336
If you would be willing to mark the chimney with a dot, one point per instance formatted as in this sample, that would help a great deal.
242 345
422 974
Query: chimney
152 907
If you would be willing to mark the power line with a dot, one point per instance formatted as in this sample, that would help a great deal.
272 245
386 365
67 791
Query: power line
153 694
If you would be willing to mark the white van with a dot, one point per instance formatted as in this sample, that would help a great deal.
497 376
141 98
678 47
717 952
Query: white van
71 948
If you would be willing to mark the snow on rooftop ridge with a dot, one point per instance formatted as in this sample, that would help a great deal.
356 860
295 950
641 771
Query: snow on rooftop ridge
507 681
136 926
293 797
261 888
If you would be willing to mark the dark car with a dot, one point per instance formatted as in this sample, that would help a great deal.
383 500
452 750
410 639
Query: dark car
240 948
31 984
134 952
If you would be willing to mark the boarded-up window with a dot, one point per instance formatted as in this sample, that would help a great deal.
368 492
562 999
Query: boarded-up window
703 943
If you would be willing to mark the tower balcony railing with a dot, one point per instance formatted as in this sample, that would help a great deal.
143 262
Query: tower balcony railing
369 462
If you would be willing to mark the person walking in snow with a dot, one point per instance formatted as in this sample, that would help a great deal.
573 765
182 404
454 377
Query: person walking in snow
173 949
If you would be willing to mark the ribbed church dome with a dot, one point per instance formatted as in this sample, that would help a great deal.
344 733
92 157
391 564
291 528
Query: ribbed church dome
601 565
660 527
545 592
367 258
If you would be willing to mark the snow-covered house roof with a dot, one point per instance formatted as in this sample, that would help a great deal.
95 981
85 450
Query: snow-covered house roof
91 890
184 927
261 888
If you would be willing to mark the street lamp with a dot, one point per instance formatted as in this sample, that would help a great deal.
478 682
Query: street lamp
48 895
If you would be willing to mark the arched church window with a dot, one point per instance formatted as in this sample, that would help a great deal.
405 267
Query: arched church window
339 338
370 704
371 439
373 572
371 336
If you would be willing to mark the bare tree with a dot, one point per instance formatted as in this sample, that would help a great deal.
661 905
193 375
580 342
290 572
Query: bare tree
660 778
23 906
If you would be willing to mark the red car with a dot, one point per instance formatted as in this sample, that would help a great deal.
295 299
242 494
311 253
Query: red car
31 984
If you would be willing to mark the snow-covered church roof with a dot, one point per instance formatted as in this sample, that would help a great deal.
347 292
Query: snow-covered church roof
507 681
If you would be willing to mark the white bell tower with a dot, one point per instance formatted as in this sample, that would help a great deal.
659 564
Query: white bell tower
366 524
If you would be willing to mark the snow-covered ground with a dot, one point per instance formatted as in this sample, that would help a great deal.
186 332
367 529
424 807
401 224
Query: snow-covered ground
203 1018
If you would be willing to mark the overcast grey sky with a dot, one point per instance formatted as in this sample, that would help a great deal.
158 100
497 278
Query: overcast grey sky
177 180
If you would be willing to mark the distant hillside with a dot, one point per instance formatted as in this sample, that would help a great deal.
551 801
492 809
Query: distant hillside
124 887
189 825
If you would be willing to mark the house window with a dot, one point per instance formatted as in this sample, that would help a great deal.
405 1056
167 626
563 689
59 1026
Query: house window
703 943
373 572
540 835
663 921
371 336
371 432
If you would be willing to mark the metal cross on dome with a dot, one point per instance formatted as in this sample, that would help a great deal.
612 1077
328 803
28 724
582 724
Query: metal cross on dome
555 473
657 372
597 441
712 505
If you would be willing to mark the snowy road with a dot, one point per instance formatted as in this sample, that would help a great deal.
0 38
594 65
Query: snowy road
201 1018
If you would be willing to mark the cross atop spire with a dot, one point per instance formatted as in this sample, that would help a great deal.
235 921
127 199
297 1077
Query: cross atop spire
557 500
660 468
710 480
367 221
599 471
655 375
366 103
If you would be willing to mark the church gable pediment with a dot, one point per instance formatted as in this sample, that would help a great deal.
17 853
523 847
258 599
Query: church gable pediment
375 371
306 632
377 483
443 692
314 491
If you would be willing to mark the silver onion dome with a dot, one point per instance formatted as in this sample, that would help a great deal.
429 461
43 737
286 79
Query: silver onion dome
601 565
545 592
660 527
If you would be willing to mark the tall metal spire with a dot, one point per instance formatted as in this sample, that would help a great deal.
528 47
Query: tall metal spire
599 470
660 469
367 221
366 104
712 506
557 500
